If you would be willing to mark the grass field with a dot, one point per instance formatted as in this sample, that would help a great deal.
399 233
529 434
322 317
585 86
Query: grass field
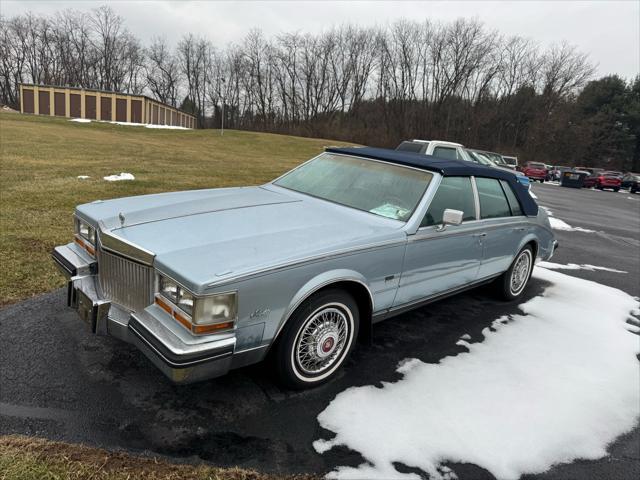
41 158
25 458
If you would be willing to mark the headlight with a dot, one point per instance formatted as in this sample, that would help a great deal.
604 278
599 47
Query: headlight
214 313
85 235
185 302
210 314
169 289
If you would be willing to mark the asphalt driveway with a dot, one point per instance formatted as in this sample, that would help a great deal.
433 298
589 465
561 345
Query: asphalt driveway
60 382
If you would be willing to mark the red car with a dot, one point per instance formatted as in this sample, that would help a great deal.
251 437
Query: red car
603 180
535 171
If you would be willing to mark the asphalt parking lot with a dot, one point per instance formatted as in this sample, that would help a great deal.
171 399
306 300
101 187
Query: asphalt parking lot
60 382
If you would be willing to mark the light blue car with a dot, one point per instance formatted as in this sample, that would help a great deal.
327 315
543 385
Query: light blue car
300 268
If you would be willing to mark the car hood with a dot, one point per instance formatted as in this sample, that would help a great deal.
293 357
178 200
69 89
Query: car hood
205 237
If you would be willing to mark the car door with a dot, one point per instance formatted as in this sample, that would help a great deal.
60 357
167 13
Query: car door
437 261
503 225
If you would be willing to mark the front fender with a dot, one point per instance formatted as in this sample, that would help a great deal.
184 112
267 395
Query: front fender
320 281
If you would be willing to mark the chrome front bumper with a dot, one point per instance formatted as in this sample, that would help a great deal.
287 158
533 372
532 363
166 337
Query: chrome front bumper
182 357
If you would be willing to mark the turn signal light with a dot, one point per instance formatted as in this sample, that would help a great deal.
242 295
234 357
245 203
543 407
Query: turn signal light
164 306
85 245
216 327
183 320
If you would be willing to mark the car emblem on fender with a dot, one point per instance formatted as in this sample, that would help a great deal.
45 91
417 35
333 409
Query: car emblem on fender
121 217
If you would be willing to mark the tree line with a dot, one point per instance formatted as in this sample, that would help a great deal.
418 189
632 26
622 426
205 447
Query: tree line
458 81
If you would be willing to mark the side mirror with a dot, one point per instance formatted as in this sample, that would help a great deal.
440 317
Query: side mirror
450 217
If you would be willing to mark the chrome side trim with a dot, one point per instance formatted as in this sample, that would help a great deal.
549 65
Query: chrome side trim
309 259
436 296
247 350
123 247
427 233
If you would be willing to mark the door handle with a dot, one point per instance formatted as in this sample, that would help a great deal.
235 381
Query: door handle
519 229
479 235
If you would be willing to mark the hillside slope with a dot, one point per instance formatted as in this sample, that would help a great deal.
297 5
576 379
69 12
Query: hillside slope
42 157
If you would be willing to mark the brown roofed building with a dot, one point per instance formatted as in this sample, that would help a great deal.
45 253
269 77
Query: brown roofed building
91 104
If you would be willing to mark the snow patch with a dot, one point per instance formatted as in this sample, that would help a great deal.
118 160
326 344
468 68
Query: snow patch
83 177
553 384
167 127
558 224
575 266
80 120
128 124
533 195
119 177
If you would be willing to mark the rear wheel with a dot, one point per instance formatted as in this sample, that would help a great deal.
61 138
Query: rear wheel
513 282
317 339
617 189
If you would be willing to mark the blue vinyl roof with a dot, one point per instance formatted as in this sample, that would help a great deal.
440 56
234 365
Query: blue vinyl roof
446 167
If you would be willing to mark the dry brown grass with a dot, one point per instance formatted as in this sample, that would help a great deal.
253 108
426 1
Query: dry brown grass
27 458
41 158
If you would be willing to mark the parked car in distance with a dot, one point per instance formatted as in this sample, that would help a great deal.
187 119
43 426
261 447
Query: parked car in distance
602 180
300 268
614 173
535 171
558 170
631 181
453 151
549 172
481 157
590 170
496 158
437 148
511 160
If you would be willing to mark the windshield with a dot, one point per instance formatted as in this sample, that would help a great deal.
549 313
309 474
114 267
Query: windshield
380 188
481 158
495 158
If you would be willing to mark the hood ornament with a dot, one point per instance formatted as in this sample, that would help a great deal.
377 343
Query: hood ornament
122 219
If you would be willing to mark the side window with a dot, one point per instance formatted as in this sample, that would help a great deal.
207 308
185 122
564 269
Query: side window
445 152
511 198
493 203
455 193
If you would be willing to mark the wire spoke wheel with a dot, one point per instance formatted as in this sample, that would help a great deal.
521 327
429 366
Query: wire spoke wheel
322 340
520 272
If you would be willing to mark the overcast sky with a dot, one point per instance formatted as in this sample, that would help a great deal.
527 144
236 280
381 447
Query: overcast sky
609 31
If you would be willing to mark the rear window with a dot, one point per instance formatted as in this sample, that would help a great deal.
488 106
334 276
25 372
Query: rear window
415 147
537 165
446 152
493 203
511 198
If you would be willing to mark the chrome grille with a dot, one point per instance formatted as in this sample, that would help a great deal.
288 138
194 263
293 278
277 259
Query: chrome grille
124 281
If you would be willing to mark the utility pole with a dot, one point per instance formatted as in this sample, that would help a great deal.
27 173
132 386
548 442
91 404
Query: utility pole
222 112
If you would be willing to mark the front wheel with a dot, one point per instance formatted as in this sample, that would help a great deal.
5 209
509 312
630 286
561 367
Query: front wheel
317 339
512 282
617 189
